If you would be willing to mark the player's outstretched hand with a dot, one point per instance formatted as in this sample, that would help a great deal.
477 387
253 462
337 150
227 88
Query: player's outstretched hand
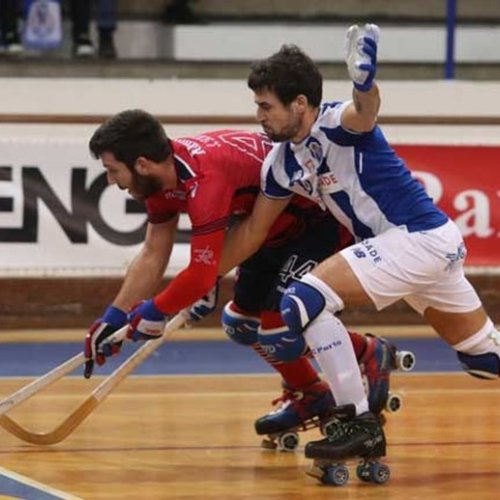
96 350
206 305
146 321
361 55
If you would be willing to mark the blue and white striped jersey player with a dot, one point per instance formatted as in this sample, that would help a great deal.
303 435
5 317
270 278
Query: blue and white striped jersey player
407 248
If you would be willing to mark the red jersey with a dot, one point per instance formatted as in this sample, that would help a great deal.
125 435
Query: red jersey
218 177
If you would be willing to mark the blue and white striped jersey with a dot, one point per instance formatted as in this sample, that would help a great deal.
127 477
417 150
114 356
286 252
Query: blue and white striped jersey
358 177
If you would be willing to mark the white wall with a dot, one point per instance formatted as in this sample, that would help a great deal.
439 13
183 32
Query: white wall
230 97
324 42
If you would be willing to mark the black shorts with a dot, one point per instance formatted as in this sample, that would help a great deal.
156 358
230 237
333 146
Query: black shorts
264 277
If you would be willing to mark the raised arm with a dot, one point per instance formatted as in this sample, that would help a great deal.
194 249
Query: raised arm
361 58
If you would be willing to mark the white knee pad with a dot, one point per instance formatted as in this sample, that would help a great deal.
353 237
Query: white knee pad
333 302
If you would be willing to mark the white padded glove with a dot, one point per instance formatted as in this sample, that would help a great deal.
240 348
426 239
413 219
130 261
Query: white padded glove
361 55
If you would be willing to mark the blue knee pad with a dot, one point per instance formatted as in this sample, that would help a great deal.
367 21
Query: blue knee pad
282 345
300 305
238 327
486 366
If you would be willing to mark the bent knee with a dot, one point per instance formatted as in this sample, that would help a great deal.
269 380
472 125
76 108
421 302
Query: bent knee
239 327
304 300
278 341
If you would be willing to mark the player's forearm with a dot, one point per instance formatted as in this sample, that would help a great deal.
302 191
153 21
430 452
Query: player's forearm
245 239
361 58
367 105
142 280
187 287
240 243
198 278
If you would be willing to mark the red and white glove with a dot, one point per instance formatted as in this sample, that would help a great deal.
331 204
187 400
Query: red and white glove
96 350
206 305
146 321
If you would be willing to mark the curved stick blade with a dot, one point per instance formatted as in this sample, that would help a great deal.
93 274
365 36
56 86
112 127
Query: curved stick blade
61 432
98 395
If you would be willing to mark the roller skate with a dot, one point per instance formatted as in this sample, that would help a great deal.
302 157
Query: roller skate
376 364
296 411
299 411
349 438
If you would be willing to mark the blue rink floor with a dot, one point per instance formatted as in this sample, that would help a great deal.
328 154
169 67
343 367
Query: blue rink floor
196 357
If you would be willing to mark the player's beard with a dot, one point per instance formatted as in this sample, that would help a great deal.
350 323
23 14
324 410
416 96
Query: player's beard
286 132
144 186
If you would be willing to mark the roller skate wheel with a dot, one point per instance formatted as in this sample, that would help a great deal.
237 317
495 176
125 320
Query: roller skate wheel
394 403
405 360
337 475
268 444
363 472
288 441
379 473
327 428
373 472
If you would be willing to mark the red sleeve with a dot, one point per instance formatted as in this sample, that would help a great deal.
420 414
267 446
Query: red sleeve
209 207
198 278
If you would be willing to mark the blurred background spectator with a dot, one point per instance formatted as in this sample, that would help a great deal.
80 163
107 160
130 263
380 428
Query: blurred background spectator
9 24
179 12
81 14
106 26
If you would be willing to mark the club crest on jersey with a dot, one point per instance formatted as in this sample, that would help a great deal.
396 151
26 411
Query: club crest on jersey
314 147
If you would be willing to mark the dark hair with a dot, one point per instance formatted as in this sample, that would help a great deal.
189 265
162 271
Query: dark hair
131 134
288 73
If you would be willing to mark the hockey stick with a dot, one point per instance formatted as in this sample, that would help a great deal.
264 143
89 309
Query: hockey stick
49 378
98 395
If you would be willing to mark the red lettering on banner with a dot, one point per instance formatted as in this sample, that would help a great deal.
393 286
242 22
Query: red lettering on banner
463 181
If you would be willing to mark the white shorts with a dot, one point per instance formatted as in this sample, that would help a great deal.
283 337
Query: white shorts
424 268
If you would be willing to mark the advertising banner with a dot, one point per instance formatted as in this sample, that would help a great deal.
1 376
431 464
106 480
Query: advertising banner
464 180
59 217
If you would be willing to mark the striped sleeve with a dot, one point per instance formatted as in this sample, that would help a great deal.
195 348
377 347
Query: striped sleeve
269 184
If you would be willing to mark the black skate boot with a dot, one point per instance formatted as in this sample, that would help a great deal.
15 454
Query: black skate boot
351 437
296 411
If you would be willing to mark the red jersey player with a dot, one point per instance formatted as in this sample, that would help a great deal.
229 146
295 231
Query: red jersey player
212 177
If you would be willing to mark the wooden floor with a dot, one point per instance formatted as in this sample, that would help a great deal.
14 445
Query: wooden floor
192 437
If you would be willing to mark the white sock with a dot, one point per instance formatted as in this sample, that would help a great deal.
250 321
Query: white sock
330 343
487 339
